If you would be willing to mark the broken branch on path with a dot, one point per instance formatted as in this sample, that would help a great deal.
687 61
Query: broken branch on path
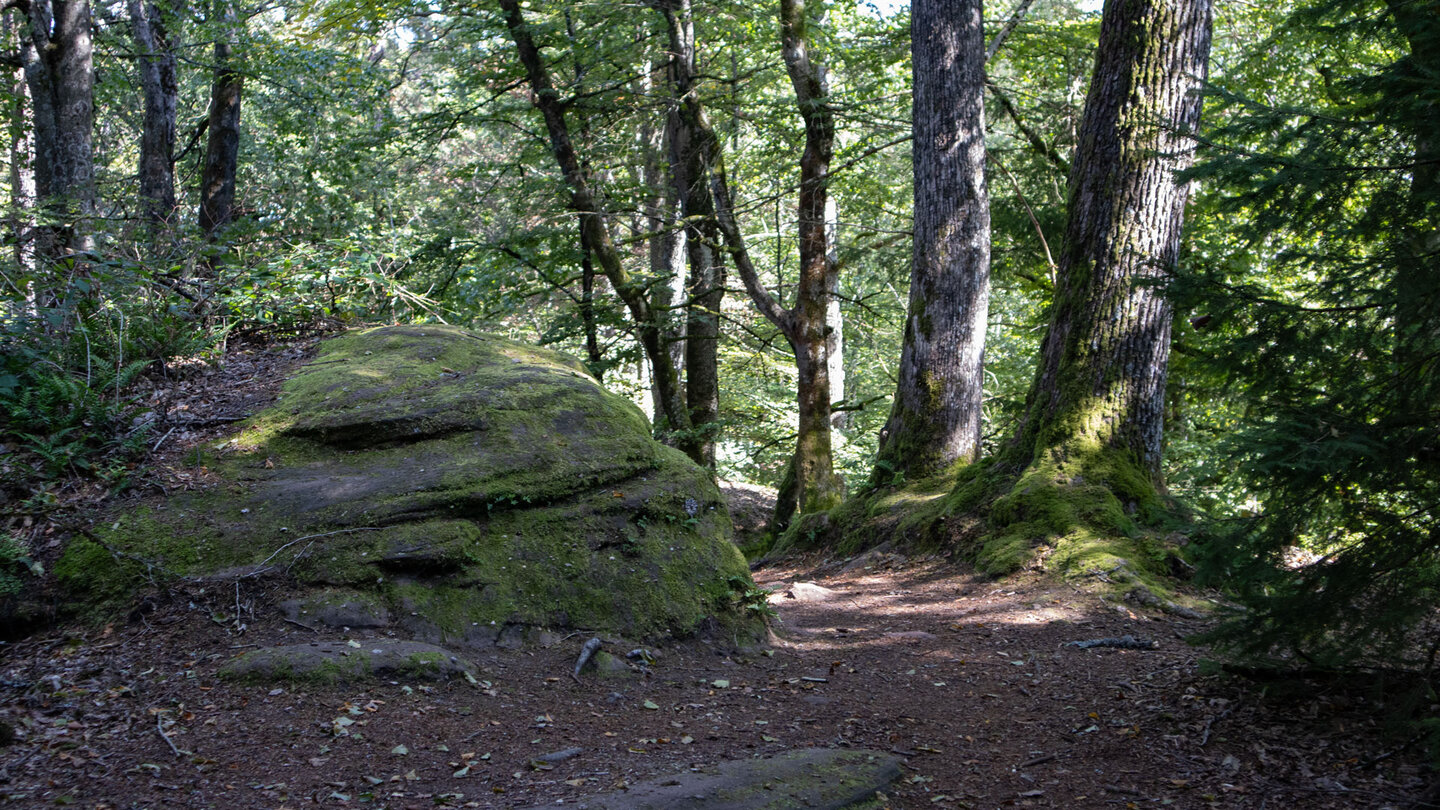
1121 643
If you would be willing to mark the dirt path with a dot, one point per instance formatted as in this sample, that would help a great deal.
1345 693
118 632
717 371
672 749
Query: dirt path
971 681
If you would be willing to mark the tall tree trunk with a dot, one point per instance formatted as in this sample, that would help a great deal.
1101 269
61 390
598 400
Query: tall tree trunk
706 281
1101 381
22 169
936 416
666 244
222 147
597 236
835 320
818 487
60 71
157 139
587 315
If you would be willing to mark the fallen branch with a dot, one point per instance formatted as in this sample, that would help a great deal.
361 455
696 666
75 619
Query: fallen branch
160 728
263 566
585 654
556 756
1121 643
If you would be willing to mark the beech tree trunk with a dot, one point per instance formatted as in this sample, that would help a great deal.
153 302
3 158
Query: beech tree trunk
222 147
666 244
935 420
817 486
705 283
835 320
59 69
157 139
596 236
1101 379
22 164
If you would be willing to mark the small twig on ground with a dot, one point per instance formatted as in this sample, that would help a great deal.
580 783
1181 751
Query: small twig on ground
160 728
585 653
239 625
558 756
1205 737
156 448
208 421
1041 760
1379 758
1122 643
264 565
302 624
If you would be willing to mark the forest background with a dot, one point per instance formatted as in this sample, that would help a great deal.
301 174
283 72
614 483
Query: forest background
184 175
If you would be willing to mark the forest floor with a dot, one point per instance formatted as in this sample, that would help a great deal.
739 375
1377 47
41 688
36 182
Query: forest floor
975 683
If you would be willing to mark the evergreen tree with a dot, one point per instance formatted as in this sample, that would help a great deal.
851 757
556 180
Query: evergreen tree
1334 340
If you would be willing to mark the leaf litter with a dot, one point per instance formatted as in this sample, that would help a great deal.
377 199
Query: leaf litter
973 684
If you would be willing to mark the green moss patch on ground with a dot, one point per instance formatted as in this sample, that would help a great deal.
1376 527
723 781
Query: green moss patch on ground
467 483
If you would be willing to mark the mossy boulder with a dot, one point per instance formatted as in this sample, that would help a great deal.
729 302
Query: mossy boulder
457 485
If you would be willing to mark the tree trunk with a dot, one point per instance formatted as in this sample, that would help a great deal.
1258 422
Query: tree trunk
1101 380
596 236
818 488
157 139
222 148
587 315
59 68
22 170
706 281
666 244
835 321
936 417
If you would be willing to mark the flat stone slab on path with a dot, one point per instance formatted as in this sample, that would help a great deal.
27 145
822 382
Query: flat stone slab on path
343 661
812 778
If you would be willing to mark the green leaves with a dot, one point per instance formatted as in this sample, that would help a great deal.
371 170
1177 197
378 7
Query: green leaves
1326 321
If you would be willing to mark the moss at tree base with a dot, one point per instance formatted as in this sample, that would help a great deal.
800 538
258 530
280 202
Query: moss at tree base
1077 515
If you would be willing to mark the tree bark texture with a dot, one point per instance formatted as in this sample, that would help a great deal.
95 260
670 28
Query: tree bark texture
818 488
222 146
22 162
1101 379
587 314
596 236
60 72
158 83
835 320
705 284
935 420
666 244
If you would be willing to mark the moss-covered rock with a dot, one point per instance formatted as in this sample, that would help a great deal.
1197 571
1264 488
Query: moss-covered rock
459 483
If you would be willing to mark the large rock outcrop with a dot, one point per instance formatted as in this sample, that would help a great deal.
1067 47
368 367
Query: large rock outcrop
462 487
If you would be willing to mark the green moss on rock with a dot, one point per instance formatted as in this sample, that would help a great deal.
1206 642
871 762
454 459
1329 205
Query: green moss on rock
468 483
